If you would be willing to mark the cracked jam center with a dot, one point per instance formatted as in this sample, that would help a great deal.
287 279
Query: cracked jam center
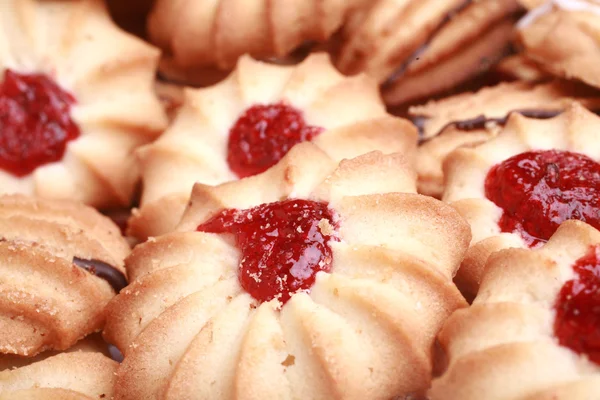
539 190
263 135
35 122
283 245
577 322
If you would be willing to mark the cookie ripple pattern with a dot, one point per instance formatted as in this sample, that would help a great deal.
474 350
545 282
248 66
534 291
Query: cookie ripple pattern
365 330
504 344
110 75
61 263
466 169
348 111
67 376
215 33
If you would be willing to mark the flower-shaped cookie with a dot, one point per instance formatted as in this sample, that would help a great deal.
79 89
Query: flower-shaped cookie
532 332
472 118
247 123
68 376
61 263
517 188
563 36
198 33
421 47
310 280
76 99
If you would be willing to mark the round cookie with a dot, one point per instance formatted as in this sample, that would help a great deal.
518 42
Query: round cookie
350 311
76 99
531 333
248 122
61 263
516 188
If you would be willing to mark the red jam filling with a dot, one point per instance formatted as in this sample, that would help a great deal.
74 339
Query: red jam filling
577 322
35 122
283 245
263 135
538 190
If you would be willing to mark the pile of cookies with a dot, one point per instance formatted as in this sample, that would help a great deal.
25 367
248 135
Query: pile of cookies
304 199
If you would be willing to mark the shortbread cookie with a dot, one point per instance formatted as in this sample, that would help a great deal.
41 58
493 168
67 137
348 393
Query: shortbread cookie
532 332
76 99
248 122
197 33
564 37
418 48
69 376
517 188
469 119
61 263
308 281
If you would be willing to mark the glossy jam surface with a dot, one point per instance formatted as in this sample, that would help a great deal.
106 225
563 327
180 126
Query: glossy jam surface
540 189
263 135
35 122
577 322
283 245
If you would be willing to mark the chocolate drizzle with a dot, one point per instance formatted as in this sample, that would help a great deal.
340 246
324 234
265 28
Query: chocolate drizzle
110 274
481 121
114 353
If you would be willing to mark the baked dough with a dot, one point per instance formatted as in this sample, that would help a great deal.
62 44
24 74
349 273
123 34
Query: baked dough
109 73
564 38
195 147
469 119
504 346
61 262
466 169
418 48
68 376
363 331
215 33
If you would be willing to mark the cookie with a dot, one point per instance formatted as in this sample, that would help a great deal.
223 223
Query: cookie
76 99
245 124
469 119
68 376
517 187
564 38
61 264
306 281
196 33
531 333
419 48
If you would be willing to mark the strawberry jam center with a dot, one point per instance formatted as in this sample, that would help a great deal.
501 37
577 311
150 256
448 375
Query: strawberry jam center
577 322
283 245
538 190
263 135
35 122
